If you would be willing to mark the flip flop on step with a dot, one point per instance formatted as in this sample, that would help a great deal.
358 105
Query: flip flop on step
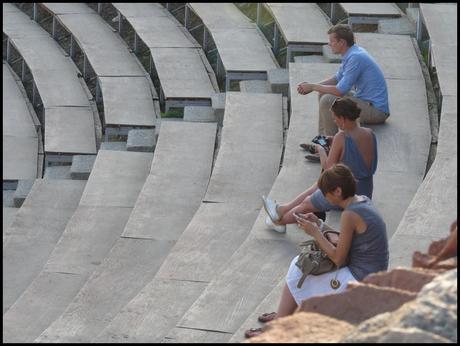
253 332
267 317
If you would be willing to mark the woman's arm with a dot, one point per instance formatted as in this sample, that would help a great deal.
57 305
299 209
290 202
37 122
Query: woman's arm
338 143
347 227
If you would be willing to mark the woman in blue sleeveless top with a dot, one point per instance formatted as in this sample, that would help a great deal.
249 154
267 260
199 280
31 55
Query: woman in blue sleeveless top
360 249
353 145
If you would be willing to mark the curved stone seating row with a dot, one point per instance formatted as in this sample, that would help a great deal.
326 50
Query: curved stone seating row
245 168
243 52
258 265
35 231
107 201
440 21
67 115
20 139
172 193
125 89
185 76
434 206
308 37
366 13
8 214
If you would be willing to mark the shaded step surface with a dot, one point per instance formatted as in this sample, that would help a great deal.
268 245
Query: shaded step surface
125 86
36 229
169 198
20 140
107 201
400 172
242 172
180 63
8 213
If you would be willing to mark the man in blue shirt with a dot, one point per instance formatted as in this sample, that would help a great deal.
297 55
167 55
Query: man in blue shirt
359 77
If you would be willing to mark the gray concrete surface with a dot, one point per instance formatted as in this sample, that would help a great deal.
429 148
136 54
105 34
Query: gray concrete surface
22 190
279 81
56 79
141 140
8 214
255 86
82 166
20 140
315 23
221 223
105 47
240 46
57 172
36 229
440 21
176 183
199 113
127 101
396 26
104 209
371 9
121 146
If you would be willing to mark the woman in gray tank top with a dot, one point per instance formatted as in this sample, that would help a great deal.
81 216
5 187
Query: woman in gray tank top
359 250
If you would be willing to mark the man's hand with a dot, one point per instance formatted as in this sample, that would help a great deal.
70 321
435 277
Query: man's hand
304 88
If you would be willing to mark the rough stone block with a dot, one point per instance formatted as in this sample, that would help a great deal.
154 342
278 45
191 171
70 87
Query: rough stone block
199 114
401 278
396 26
255 86
309 58
82 166
358 303
57 172
141 140
22 191
329 56
118 146
279 81
304 327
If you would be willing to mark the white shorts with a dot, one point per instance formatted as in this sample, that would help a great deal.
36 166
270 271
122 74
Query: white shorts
316 285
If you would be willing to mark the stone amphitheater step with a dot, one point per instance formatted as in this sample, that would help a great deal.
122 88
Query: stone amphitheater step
434 206
9 213
183 71
169 198
107 201
128 96
69 126
36 229
20 149
246 165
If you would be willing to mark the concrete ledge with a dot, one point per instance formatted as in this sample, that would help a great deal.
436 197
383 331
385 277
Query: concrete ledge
278 80
118 146
141 140
309 58
82 166
255 86
199 114
8 199
57 172
218 103
22 191
396 26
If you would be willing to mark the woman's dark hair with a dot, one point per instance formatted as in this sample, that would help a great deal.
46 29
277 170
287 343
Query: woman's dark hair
344 32
346 107
339 175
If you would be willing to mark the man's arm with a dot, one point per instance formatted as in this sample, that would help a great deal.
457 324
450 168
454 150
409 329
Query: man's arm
326 86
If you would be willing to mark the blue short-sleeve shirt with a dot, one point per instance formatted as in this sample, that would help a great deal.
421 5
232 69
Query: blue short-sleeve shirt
360 70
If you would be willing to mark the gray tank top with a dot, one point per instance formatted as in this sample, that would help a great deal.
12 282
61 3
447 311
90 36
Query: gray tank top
369 250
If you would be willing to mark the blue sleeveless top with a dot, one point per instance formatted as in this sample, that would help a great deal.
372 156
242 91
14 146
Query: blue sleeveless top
353 159
369 250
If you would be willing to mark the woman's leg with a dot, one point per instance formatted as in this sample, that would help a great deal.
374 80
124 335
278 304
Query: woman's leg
284 208
287 303
304 207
